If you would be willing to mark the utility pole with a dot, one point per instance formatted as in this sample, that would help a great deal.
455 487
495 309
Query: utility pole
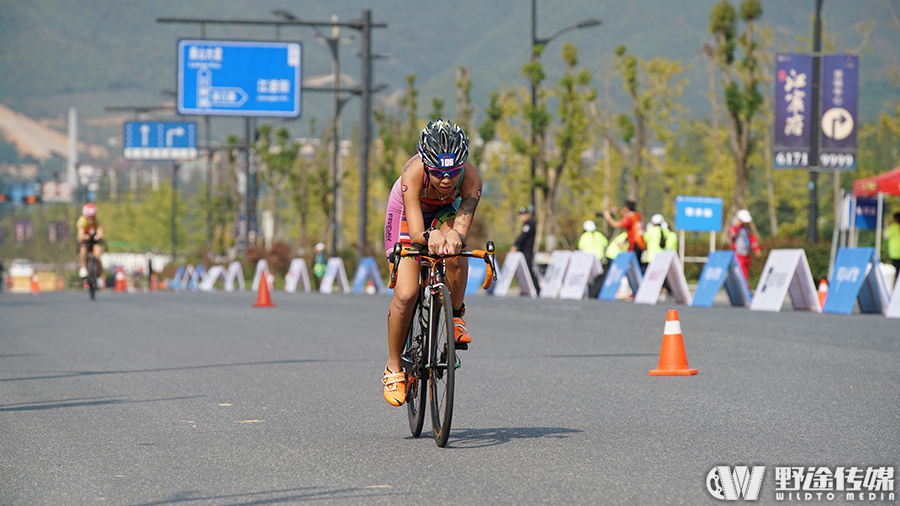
365 129
812 232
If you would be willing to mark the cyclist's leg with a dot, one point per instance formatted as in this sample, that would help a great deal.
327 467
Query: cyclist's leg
82 255
98 251
457 272
402 304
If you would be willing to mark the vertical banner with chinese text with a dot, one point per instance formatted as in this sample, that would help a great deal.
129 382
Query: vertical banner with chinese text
840 85
793 108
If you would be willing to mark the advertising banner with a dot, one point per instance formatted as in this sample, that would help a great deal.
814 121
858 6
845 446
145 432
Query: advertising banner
698 214
553 276
209 281
721 269
334 271
624 265
297 273
262 266
786 270
367 270
583 267
514 267
893 311
840 85
857 277
793 108
664 267
235 274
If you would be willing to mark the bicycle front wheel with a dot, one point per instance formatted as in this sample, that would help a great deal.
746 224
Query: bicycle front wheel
93 272
413 358
442 364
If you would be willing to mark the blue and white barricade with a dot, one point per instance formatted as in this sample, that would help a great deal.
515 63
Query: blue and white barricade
297 274
722 268
625 265
514 267
235 273
856 277
216 272
665 266
334 271
786 270
552 281
582 269
477 270
367 270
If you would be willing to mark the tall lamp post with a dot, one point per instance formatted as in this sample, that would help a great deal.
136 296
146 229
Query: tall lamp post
536 56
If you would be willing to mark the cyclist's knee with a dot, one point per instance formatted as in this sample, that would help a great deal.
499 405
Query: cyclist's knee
405 297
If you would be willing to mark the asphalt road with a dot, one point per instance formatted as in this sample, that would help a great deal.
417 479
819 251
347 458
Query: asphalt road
202 399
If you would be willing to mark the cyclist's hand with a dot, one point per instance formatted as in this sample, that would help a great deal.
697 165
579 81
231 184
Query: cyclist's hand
453 243
436 243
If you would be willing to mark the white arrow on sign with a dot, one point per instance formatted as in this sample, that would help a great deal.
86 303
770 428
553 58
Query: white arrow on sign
145 135
173 132
837 123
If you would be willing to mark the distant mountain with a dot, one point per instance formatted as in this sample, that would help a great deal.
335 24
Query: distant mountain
98 53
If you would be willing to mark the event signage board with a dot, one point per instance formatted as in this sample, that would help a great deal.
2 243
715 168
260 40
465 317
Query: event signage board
866 212
475 279
235 273
698 214
665 266
786 270
367 270
624 265
215 273
583 267
552 281
893 310
154 140
262 266
840 85
793 110
857 277
238 78
721 269
334 271
297 273
515 267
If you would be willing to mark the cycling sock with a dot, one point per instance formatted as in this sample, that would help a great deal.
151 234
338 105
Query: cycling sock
459 313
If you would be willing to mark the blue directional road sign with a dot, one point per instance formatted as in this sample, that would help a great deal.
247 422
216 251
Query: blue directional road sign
239 78
698 214
149 140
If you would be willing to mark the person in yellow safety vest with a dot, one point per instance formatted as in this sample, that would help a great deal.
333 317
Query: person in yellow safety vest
616 246
592 240
659 237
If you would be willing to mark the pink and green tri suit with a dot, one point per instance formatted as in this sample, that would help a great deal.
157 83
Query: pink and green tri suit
434 213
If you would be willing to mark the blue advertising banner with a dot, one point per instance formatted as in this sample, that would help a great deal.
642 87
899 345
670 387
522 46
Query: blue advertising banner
840 85
152 140
722 269
793 108
625 264
239 78
367 269
698 214
867 213
857 277
477 270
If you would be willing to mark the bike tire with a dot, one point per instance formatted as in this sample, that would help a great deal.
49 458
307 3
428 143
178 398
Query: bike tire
442 364
413 358
92 276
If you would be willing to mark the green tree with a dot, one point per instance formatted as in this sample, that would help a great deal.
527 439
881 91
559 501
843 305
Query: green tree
278 154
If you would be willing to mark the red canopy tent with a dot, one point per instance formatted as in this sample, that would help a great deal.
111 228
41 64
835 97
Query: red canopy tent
887 183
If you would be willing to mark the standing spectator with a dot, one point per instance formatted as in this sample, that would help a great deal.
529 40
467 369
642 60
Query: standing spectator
743 240
633 226
594 242
319 263
893 237
525 242
659 237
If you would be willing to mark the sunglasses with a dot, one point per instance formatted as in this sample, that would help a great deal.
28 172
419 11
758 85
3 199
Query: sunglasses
441 174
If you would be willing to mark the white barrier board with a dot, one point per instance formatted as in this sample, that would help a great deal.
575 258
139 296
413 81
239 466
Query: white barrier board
583 267
186 278
209 281
665 266
552 281
786 270
893 310
235 273
262 266
334 270
297 273
514 267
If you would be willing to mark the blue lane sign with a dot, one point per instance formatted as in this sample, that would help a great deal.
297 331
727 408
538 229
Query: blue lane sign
148 140
722 268
857 277
239 78
625 264
698 214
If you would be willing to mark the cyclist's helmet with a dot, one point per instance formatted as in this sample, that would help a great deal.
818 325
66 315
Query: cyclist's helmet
443 145
89 210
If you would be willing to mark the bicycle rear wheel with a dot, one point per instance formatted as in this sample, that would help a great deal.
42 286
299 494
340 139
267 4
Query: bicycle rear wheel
92 275
442 364
413 359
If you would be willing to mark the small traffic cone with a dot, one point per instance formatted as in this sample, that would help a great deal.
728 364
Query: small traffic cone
35 284
672 359
823 292
121 283
262 300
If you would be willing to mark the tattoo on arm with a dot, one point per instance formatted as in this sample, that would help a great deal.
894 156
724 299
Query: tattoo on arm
407 166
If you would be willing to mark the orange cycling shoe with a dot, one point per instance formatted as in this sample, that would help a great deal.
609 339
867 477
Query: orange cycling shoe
460 334
394 387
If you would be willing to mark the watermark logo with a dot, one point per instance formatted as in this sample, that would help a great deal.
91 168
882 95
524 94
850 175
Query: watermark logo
729 484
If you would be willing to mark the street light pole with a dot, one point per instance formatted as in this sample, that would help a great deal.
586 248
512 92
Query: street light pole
812 232
535 57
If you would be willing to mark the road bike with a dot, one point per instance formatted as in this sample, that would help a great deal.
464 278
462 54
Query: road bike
429 355
93 267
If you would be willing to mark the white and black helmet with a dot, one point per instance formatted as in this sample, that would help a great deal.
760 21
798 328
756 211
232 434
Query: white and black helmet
443 145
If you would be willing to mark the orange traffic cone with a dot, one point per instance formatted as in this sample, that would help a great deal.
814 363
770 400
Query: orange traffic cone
262 300
823 292
35 284
121 283
672 359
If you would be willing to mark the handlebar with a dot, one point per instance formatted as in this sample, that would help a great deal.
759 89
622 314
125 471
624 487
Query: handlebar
487 254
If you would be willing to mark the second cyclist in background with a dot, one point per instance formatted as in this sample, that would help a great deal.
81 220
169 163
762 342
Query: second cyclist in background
88 227
432 203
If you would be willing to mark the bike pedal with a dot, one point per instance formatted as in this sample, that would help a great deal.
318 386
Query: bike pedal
462 346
